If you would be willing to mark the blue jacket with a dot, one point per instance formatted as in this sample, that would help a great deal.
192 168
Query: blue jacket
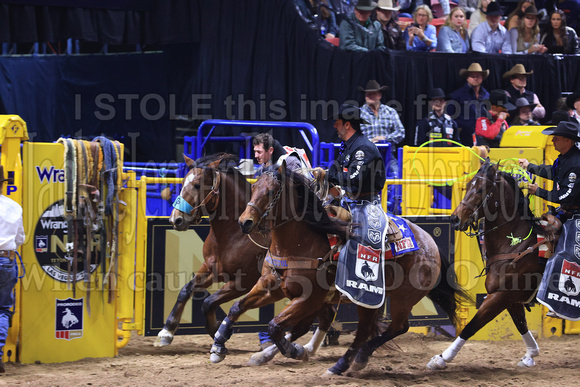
449 40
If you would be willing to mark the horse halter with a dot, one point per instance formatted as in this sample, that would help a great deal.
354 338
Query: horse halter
182 205
472 219
273 202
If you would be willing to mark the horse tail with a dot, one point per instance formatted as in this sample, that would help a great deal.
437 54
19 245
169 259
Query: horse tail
448 294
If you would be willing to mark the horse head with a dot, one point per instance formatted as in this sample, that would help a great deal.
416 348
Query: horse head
198 196
266 193
478 192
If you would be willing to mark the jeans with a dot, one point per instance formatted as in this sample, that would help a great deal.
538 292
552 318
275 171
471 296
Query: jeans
8 278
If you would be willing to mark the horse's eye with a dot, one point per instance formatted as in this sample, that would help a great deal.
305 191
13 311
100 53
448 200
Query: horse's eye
196 186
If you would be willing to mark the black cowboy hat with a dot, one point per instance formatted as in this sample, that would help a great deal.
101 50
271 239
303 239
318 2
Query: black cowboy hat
372 85
499 97
366 5
437 93
531 10
523 102
566 129
2 178
572 98
559 116
494 9
349 113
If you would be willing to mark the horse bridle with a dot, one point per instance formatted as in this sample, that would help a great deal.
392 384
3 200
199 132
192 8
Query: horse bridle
472 219
214 192
271 205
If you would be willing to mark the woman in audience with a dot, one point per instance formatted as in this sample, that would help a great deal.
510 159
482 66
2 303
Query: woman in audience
513 19
559 38
453 35
478 16
421 36
525 39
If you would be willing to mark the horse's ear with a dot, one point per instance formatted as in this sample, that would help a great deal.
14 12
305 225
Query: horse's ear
189 162
282 168
215 164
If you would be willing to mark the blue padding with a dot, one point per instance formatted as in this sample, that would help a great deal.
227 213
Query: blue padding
182 205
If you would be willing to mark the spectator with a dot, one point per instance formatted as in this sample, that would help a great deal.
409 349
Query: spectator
518 78
513 19
467 105
437 125
559 38
453 35
525 38
559 116
573 102
384 124
392 34
469 6
11 237
421 36
523 113
478 16
327 21
490 128
491 37
358 32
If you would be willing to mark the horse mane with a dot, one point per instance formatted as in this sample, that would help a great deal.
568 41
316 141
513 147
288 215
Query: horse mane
228 163
310 206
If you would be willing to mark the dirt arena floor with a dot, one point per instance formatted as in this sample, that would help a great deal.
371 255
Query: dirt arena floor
186 363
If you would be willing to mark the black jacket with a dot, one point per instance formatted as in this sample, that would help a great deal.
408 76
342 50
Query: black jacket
359 169
565 173
436 128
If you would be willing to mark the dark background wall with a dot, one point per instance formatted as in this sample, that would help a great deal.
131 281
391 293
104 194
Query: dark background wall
229 59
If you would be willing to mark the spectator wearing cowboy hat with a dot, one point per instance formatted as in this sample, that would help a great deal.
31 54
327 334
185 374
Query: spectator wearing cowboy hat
491 37
359 33
525 38
466 103
392 34
437 125
573 102
11 237
518 79
490 128
523 113
564 172
383 122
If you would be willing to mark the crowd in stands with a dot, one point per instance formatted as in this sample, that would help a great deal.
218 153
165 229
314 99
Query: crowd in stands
467 25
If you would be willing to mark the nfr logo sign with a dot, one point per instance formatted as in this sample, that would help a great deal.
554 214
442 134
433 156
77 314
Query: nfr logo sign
69 318
51 175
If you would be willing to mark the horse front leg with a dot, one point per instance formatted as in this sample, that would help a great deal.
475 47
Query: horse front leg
264 292
493 305
518 315
367 320
326 316
200 282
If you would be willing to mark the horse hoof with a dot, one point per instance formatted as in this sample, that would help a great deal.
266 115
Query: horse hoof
263 357
163 339
302 354
437 363
216 358
357 366
329 374
527 361
217 353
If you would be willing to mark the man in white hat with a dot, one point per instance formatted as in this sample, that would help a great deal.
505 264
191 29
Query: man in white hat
518 79
392 34
358 32
11 237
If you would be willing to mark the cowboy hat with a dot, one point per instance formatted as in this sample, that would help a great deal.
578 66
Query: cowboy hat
474 68
571 99
2 178
366 5
493 9
559 116
518 69
349 113
372 85
387 5
566 129
437 93
531 10
523 102
499 98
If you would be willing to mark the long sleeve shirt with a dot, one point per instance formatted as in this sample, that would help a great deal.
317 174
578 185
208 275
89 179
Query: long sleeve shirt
417 44
450 40
514 34
386 123
11 226
485 40
356 37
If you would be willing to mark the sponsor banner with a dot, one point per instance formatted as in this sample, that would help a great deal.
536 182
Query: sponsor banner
69 318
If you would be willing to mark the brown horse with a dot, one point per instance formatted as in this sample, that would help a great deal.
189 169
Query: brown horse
512 278
300 247
215 187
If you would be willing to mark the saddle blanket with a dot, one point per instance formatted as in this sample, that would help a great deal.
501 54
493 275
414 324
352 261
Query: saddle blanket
560 287
360 270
